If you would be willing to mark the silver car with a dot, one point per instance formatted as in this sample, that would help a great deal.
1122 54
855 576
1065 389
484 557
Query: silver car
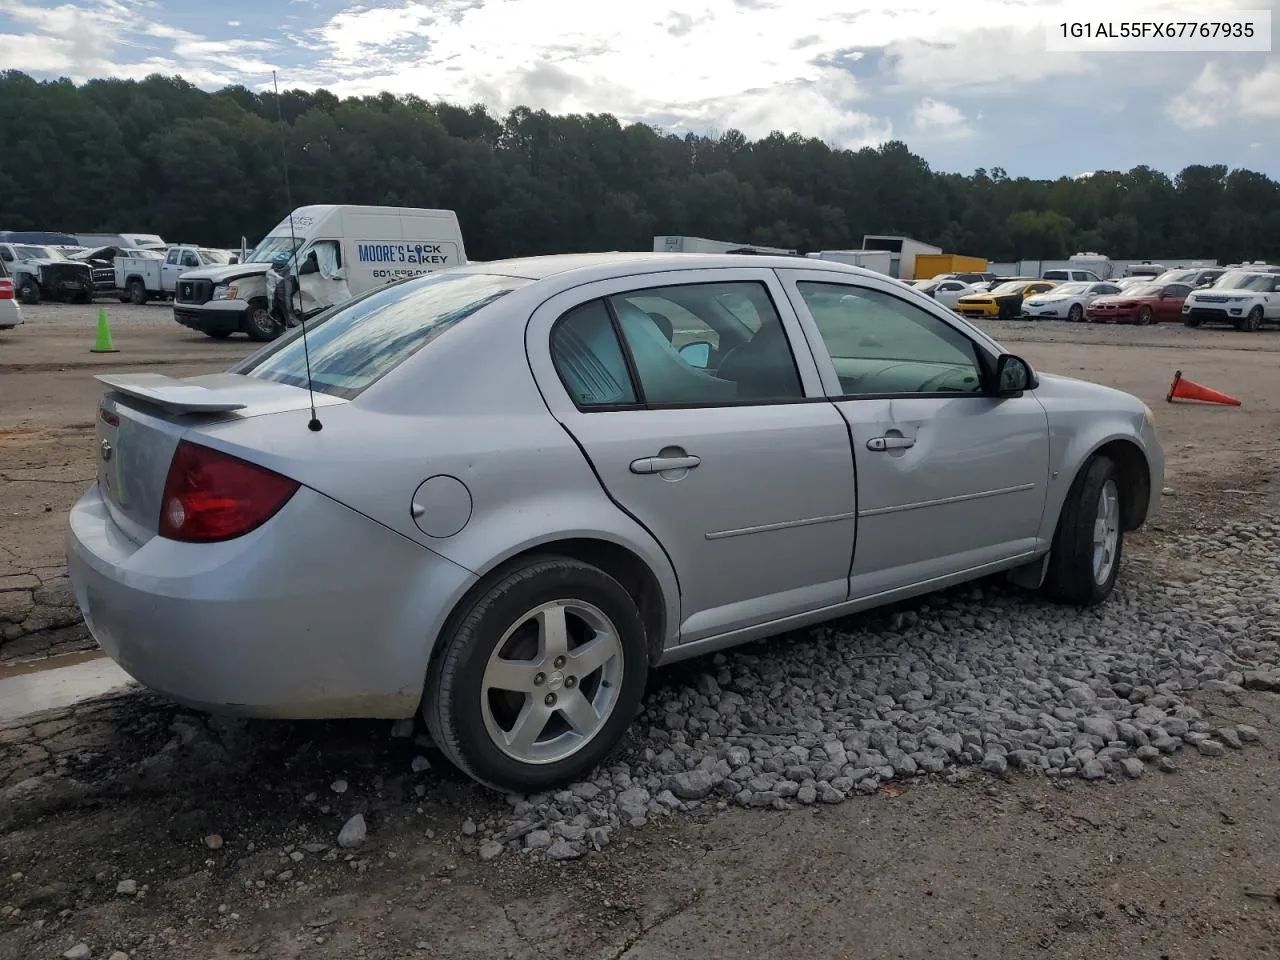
526 483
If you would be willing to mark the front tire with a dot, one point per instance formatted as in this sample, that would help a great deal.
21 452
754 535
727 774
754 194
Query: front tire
1252 322
539 677
1076 313
28 290
259 324
1085 558
1144 316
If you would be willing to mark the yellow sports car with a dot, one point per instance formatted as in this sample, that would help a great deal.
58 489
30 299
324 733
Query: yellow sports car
1002 302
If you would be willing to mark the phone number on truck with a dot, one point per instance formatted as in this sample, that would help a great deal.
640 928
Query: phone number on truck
400 274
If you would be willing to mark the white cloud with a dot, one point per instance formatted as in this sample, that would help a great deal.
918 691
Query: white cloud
1221 94
940 120
121 38
233 23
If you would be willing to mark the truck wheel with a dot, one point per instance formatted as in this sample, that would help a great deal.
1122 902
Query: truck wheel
259 324
137 291
1191 321
28 290
1084 560
540 678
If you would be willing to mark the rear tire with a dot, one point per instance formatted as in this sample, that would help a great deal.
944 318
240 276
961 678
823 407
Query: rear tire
1089 541
137 291
474 717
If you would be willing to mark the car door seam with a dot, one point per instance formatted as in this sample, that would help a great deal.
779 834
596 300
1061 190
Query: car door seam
614 500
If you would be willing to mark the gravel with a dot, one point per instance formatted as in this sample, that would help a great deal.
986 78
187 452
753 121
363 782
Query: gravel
986 675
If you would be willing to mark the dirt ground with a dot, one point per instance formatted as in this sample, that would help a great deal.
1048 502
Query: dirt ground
1176 866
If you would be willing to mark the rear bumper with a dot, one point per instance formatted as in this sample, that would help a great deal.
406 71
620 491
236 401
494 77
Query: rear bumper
216 316
319 613
10 314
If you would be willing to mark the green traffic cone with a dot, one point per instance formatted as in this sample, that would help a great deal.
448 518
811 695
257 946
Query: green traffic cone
103 343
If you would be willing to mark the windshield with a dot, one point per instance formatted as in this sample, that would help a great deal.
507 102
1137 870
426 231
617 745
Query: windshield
369 337
1145 290
1177 276
273 250
1236 280
1263 282
1013 286
32 252
215 257
1068 289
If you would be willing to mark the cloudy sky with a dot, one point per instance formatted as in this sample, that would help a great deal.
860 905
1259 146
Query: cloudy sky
966 84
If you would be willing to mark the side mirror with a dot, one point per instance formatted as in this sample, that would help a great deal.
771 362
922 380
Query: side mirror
1013 375
697 353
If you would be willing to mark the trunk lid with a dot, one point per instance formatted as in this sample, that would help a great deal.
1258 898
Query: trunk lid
143 416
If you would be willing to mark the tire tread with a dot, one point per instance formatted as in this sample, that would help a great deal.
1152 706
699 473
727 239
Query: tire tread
1069 579
442 678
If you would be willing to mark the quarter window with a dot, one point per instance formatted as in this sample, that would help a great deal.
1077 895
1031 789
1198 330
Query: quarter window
589 359
881 345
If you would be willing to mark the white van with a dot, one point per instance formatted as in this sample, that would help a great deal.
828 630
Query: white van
328 253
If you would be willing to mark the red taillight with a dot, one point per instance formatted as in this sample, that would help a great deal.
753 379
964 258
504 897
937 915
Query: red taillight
6 288
210 495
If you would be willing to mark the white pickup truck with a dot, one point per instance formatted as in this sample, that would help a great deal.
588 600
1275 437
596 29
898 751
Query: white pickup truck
147 274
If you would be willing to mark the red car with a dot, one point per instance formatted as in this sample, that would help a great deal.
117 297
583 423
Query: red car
1142 303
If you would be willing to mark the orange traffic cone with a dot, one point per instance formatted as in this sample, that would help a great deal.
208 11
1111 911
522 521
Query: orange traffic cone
1184 389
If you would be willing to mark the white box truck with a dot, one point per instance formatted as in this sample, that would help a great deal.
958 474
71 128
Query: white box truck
320 255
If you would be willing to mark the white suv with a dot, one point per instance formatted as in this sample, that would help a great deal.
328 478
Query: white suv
1241 298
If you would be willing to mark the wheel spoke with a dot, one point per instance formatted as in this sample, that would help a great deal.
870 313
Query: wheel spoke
516 675
593 655
531 722
579 712
553 631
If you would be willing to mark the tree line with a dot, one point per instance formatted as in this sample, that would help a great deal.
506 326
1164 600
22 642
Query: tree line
161 155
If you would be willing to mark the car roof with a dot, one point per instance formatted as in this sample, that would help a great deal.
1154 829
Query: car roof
621 262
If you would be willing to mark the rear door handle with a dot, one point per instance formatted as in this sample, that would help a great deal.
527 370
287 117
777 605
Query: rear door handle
890 443
662 464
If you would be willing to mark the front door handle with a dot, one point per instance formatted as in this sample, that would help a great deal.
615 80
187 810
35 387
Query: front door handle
663 464
890 443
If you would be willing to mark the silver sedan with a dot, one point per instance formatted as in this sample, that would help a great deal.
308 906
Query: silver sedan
525 483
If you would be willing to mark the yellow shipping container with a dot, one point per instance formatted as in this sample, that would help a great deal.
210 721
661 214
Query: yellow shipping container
931 264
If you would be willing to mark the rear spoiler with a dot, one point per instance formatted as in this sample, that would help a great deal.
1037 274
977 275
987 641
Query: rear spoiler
168 393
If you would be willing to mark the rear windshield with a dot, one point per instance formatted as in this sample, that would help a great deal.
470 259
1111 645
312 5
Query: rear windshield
365 339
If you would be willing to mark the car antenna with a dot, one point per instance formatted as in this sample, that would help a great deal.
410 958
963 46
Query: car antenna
314 423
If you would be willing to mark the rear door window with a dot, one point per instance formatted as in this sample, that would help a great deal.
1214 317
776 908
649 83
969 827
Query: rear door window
366 338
